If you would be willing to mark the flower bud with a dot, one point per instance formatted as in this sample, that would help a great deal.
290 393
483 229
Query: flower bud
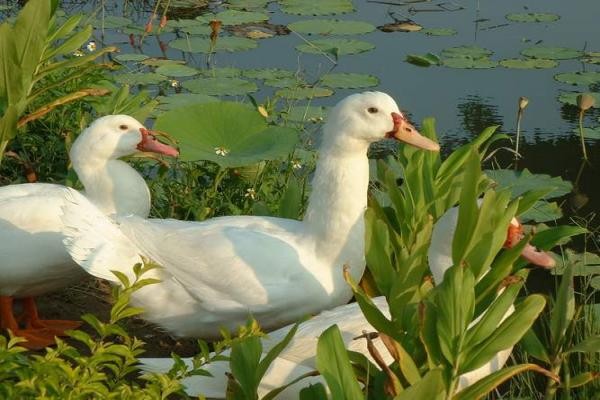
523 102
585 101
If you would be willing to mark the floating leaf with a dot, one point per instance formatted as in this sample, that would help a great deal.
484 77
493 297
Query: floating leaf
530 63
183 99
439 31
131 57
348 80
111 22
589 133
591 58
303 92
220 86
157 62
240 131
551 53
203 45
468 62
335 46
234 17
199 29
400 26
247 4
466 51
140 78
331 27
225 72
579 78
423 60
521 181
176 70
321 7
307 113
284 82
532 17
571 98
268 73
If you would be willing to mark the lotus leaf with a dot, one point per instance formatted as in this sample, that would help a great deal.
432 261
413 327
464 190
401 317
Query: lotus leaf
268 73
468 62
571 98
579 78
466 51
348 80
532 17
530 63
521 181
592 58
584 264
439 31
157 62
140 78
542 211
131 57
176 70
321 7
230 134
202 45
551 53
331 27
423 60
247 4
234 17
335 46
303 92
288 82
199 29
225 72
307 113
183 99
220 86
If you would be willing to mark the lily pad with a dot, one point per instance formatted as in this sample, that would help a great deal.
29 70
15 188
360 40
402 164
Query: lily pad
304 92
589 133
203 45
229 134
584 264
335 46
348 80
234 17
268 73
111 22
579 78
331 27
439 31
591 58
247 4
521 181
285 82
225 72
176 70
400 26
315 114
311 7
466 51
140 78
157 62
198 29
183 99
571 98
532 17
220 86
423 60
131 57
551 53
530 63
469 63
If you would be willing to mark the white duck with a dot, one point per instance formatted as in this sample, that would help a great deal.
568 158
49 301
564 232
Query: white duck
218 272
34 259
298 358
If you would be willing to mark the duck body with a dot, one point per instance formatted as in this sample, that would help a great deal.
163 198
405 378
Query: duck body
218 272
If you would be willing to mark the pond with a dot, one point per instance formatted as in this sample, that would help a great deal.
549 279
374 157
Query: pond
463 100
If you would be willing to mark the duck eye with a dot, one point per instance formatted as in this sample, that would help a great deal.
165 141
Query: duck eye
372 110
123 127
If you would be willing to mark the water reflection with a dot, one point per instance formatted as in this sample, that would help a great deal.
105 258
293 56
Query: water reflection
477 113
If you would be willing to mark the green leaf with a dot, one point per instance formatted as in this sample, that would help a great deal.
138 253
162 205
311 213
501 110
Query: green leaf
468 63
532 17
176 70
423 60
269 73
472 52
220 86
131 57
431 387
314 392
439 31
588 345
230 134
331 27
244 360
532 63
551 53
534 347
580 380
583 264
140 78
291 201
563 309
335 46
178 100
579 78
235 17
268 359
30 32
520 182
468 211
348 80
322 7
65 29
203 45
334 365
304 92
70 45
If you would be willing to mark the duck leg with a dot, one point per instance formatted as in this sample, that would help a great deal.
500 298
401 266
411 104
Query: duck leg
36 338
33 321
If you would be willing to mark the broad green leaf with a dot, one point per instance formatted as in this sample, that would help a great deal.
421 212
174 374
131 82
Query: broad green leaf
334 365
379 257
522 181
331 27
468 210
468 62
291 201
304 92
196 44
548 238
335 46
70 45
595 282
579 78
183 99
431 387
225 72
230 134
472 52
534 347
11 88
583 264
314 392
423 60
551 53
322 7
140 78
439 31
176 70
65 29
268 73
131 57
306 113
243 361
563 308
246 4
532 17
29 33
542 211
531 63
220 86
531 197
348 80
588 345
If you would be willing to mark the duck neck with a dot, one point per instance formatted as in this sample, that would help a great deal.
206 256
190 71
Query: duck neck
113 186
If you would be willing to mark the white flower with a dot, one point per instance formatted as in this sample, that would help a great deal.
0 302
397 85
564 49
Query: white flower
296 164
221 151
78 53
174 83
91 46
251 193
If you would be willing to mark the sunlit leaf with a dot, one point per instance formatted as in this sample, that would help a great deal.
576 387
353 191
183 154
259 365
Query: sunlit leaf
423 60
304 92
466 51
306 113
331 27
469 63
183 99
348 80
140 78
579 78
430 387
176 70
335 46
197 44
532 17
220 86
531 63
551 53
131 57
521 181
321 7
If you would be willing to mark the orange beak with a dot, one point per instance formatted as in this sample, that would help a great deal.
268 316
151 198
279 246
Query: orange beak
406 132
151 144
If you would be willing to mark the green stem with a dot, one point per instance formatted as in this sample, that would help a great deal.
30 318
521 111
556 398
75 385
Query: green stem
519 116
551 385
581 112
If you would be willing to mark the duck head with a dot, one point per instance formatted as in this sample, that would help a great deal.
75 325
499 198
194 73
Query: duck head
530 253
368 117
115 136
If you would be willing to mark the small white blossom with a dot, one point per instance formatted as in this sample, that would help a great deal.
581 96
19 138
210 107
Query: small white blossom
250 193
91 46
221 151
296 164
174 83
78 53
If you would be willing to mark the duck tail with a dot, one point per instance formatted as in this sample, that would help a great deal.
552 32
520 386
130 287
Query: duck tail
94 239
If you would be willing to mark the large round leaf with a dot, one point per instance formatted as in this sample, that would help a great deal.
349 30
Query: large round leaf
203 45
306 113
579 78
304 92
225 72
220 86
321 7
268 73
140 78
331 27
551 53
335 46
521 181
532 17
466 51
530 63
176 70
468 62
247 4
230 134
131 57
183 99
348 80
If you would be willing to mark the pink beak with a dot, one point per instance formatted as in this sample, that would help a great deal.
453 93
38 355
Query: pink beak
406 132
149 143
530 253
